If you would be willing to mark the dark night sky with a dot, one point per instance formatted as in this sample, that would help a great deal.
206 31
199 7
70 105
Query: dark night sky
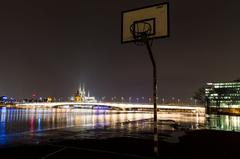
50 47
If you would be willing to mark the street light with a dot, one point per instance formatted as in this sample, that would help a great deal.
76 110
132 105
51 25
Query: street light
163 100
103 98
137 99
191 99
149 99
129 99
173 99
122 98
178 101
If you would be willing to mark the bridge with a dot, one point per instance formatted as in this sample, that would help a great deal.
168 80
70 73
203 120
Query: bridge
102 105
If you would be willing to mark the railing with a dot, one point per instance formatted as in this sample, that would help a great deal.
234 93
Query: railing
123 106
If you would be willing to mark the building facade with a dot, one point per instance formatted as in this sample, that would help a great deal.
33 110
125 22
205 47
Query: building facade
223 95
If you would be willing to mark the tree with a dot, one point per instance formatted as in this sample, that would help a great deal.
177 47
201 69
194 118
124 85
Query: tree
236 80
199 95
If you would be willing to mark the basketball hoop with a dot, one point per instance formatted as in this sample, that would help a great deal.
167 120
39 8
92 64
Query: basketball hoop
141 26
140 33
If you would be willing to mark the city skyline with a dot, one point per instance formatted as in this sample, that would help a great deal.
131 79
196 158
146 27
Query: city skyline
48 48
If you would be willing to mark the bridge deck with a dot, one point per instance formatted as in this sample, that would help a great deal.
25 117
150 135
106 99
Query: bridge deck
123 106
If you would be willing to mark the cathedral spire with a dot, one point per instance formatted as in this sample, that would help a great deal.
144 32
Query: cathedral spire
80 89
83 91
88 93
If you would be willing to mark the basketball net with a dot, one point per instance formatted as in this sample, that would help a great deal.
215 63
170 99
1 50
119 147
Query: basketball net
140 33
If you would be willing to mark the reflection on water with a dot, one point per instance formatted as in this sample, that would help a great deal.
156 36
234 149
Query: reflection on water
223 122
21 120
29 121
25 124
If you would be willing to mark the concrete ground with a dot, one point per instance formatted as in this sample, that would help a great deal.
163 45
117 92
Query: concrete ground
198 144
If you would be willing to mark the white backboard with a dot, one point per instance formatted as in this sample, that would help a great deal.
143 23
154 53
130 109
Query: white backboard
155 15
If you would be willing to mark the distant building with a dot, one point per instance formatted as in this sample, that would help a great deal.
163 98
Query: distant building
6 100
77 97
80 96
89 99
3 98
49 99
223 95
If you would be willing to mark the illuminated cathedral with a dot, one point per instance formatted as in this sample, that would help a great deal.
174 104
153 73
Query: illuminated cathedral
80 95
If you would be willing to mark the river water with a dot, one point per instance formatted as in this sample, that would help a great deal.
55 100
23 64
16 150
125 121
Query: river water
35 125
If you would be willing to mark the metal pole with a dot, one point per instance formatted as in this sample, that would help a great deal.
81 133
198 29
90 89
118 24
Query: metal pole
154 95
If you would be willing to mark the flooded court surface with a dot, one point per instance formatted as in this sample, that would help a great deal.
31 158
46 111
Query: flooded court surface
42 125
